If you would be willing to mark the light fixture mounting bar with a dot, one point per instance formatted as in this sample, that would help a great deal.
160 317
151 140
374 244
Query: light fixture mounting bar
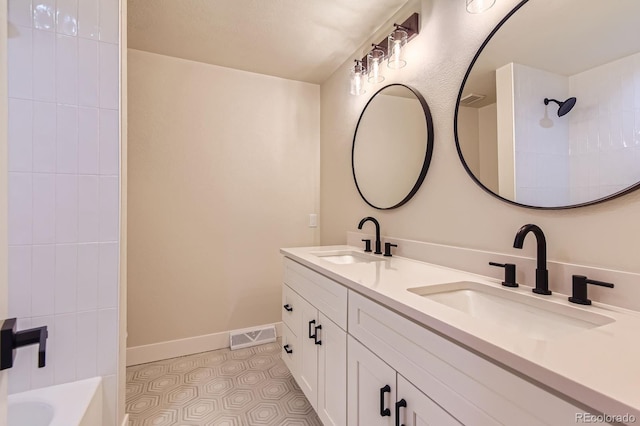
411 25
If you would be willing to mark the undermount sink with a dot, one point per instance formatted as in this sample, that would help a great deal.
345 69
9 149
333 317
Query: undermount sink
521 313
345 257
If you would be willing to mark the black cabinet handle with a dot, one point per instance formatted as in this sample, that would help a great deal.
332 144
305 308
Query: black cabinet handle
287 350
311 335
315 336
288 308
384 412
399 404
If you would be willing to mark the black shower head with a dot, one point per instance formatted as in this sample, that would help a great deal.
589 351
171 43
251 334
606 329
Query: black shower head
563 107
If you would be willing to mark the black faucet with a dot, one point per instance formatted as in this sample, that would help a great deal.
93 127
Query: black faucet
542 275
375 222
10 340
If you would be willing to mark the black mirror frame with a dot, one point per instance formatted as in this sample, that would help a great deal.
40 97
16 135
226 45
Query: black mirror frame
466 167
428 154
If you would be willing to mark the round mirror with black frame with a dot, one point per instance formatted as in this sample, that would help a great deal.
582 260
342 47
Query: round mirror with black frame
548 114
392 146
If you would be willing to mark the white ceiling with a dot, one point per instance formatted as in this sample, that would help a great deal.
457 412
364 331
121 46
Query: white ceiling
303 40
562 37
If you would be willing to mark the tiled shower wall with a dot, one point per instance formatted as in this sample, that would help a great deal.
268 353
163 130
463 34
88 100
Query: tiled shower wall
64 188
605 129
541 138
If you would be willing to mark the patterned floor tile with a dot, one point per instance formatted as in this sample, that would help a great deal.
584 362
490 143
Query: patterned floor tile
246 387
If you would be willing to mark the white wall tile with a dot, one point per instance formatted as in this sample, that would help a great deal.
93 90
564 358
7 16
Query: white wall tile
44 208
87 345
108 275
44 14
88 19
20 12
20 135
107 341
109 209
109 142
20 281
66 70
89 214
20 208
66 290
44 66
44 137
67 139
88 72
109 17
67 17
20 373
64 354
66 209
88 141
20 63
88 264
109 70
43 280
42 377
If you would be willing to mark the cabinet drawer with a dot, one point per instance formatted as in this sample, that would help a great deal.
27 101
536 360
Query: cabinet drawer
327 295
474 390
291 351
290 308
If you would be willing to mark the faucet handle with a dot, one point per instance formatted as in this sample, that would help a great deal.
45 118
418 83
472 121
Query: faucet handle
580 289
367 246
509 273
387 249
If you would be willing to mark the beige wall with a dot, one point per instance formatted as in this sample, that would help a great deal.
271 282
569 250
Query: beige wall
488 140
223 171
450 208
4 290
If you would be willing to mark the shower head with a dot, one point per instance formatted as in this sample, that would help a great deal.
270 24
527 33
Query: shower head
563 107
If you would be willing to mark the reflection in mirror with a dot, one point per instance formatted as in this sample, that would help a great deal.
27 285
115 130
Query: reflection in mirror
392 146
549 113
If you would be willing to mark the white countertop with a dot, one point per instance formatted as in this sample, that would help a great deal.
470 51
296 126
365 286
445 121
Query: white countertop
599 367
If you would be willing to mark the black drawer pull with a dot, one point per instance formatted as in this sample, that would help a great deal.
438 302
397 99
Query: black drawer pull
384 412
287 350
288 308
315 336
399 404
311 324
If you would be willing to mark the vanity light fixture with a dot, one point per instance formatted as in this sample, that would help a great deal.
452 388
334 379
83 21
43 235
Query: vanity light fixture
358 73
396 42
374 59
390 48
479 6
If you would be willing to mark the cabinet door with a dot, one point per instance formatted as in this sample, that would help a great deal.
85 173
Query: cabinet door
368 377
332 373
419 410
309 352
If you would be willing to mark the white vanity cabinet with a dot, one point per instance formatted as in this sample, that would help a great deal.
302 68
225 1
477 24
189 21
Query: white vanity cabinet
315 320
442 383
378 396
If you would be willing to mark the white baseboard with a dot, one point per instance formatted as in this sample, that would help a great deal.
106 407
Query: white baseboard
125 421
181 347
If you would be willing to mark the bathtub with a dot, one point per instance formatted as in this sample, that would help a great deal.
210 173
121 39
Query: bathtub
70 404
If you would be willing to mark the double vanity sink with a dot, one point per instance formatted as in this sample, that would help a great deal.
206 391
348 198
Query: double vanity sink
513 311
587 353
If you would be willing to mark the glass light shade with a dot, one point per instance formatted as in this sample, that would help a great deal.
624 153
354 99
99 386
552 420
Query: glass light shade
479 6
397 40
357 79
374 62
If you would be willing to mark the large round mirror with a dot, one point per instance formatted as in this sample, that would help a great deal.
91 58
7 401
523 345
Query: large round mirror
392 146
548 115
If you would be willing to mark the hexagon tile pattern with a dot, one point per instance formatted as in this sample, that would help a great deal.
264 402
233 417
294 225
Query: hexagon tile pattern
246 387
